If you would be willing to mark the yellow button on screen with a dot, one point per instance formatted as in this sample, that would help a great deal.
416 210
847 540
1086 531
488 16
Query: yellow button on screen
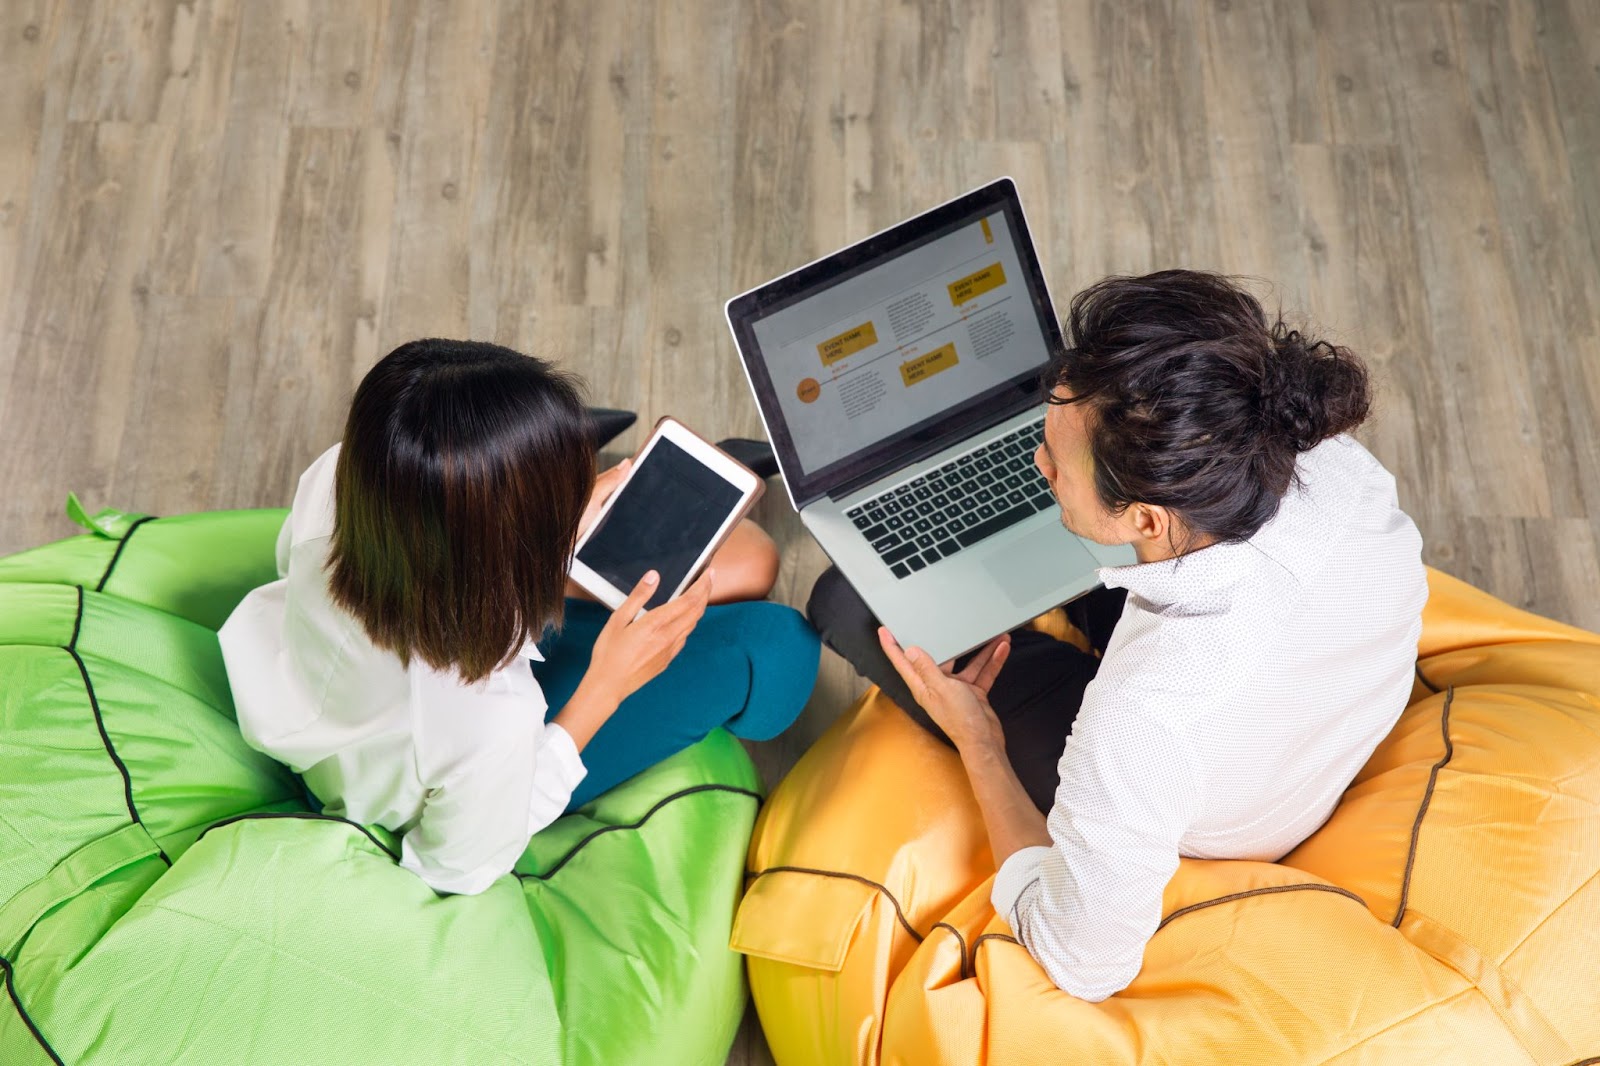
925 366
964 289
849 342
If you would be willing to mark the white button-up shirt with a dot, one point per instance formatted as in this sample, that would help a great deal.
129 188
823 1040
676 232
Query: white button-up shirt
466 772
1244 687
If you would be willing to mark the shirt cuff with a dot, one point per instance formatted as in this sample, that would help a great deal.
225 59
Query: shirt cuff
1015 876
557 770
441 879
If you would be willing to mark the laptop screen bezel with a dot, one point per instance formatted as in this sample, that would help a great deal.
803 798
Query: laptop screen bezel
882 457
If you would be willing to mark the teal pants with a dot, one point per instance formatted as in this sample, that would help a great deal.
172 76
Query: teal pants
748 667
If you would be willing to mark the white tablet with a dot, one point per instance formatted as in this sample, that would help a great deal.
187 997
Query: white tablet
682 498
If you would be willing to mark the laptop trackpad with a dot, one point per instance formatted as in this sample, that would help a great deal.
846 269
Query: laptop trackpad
1031 563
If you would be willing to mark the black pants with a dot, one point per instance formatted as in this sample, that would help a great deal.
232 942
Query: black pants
1036 696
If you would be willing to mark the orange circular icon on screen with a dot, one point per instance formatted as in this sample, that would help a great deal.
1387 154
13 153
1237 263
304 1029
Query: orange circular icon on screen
809 390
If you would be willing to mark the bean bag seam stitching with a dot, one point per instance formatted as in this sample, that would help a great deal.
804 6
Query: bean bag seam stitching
1180 912
1266 890
1007 937
1422 808
99 721
898 913
970 968
303 816
603 830
307 816
1426 681
117 555
16 1001
973 970
77 620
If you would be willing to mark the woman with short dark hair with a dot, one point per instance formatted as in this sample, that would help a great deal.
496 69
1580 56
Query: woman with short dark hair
422 631
1251 660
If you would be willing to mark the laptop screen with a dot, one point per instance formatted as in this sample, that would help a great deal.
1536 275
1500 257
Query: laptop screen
891 341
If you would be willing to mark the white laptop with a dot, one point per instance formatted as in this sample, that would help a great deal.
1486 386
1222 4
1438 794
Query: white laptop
899 381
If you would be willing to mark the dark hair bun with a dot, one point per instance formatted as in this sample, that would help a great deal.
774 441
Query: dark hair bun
1200 403
1312 390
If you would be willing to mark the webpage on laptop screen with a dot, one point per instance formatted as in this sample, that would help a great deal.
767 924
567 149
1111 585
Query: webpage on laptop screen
898 343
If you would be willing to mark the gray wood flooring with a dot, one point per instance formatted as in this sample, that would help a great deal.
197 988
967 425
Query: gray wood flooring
215 215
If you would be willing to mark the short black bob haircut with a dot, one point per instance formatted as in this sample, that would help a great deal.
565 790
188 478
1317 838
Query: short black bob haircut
1196 402
463 475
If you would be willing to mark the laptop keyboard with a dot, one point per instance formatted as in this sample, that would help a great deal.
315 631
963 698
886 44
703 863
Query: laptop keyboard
951 508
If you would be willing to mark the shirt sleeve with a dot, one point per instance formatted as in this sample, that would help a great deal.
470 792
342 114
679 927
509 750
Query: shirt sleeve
489 772
285 543
557 771
1085 906
312 506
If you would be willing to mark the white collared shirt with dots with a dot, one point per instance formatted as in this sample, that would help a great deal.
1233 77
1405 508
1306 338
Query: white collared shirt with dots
1244 687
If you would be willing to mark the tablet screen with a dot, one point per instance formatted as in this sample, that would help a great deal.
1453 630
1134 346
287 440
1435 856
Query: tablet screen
667 513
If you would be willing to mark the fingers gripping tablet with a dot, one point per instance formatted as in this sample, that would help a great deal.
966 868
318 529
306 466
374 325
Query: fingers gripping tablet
680 501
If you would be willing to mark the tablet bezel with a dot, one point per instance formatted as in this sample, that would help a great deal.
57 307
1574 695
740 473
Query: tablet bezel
741 477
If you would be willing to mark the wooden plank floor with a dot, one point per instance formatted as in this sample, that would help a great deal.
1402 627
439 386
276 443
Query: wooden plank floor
215 215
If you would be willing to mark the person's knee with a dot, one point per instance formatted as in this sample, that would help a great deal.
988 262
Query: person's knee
834 605
783 654
746 565
786 648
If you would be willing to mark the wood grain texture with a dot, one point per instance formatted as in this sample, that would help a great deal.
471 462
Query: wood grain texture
215 215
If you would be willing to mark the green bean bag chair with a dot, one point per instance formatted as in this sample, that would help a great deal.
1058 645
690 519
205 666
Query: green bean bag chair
169 895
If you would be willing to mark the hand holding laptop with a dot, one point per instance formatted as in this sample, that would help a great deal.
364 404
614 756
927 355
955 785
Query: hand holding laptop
956 700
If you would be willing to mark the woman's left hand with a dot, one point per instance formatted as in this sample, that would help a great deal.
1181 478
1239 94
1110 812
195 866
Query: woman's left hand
604 485
958 702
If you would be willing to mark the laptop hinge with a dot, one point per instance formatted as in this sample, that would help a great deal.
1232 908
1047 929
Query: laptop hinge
899 462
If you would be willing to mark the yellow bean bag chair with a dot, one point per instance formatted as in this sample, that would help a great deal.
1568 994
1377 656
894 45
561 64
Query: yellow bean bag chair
1449 910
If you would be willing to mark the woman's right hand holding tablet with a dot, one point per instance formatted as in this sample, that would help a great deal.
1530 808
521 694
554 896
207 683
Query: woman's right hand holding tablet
634 646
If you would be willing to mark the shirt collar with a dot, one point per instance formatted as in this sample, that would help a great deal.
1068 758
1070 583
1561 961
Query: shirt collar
1185 578
530 650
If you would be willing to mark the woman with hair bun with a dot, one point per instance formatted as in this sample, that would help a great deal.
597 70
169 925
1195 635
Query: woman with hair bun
1251 659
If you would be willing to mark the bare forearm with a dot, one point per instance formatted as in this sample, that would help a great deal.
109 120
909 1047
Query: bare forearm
586 712
1009 815
958 702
